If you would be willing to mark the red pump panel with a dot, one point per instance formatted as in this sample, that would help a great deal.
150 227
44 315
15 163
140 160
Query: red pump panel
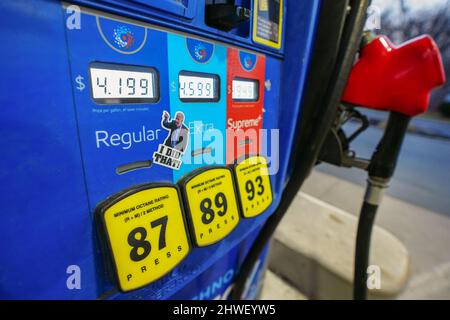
396 78
244 108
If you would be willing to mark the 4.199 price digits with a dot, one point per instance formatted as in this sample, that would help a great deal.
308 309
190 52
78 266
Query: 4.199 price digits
126 86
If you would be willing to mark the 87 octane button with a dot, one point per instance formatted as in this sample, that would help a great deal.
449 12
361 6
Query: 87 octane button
211 204
252 176
145 233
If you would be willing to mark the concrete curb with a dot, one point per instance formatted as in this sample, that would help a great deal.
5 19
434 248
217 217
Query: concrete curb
313 250
275 288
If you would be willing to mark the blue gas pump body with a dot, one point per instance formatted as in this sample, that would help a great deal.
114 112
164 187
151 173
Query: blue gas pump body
61 147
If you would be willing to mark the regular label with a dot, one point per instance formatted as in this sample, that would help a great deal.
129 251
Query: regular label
267 22
252 178
146 233
212 205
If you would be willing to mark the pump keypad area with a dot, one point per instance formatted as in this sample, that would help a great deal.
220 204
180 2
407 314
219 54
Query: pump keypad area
149 229
145 232
253 183
212 204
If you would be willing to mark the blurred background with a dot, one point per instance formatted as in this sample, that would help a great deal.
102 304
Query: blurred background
402 20
312 253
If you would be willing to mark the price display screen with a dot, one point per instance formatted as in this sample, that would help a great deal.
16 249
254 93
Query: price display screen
245 90
117 84
198 87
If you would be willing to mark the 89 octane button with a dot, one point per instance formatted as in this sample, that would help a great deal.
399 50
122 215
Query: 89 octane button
211 204
145 232
252 176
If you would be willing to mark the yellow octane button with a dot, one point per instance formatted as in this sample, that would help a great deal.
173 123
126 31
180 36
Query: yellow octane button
211 204
145 232
255 191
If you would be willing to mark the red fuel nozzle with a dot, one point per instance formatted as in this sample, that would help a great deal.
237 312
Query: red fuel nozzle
396 78
399 80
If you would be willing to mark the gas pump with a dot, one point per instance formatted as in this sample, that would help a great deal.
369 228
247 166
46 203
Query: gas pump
150 148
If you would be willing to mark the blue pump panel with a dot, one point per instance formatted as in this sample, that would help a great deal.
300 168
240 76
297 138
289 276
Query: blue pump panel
165 8
90 97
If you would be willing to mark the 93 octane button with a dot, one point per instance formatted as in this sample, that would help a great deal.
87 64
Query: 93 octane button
146 233
252 176
211 204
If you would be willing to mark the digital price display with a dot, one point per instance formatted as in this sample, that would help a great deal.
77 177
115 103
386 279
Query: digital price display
115 84
245 90
198 87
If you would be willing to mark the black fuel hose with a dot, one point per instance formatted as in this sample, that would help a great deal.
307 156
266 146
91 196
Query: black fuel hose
381 169
362 251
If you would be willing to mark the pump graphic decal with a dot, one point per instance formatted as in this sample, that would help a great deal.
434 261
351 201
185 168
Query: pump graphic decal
200 51
248 60
268 22
122 37
169 153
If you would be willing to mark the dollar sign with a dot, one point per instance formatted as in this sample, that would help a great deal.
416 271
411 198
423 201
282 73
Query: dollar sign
81 85
173 86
